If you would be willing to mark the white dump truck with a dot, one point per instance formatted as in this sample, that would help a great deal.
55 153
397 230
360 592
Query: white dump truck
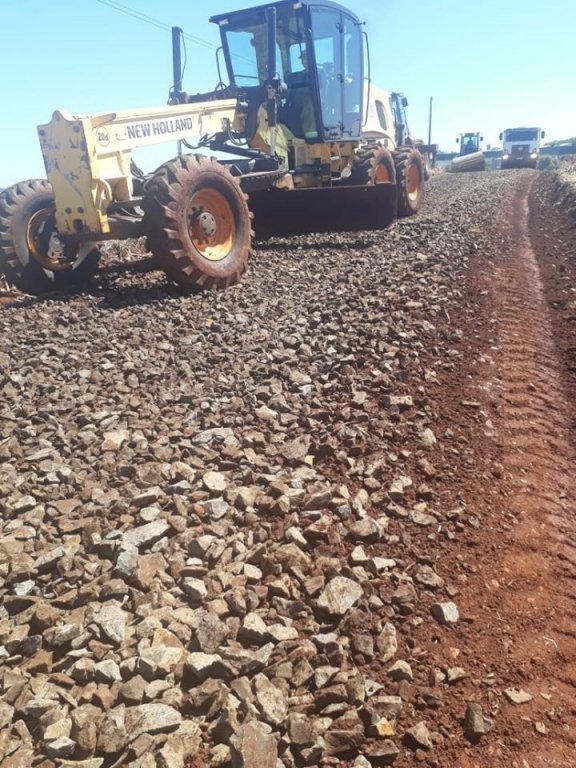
521 147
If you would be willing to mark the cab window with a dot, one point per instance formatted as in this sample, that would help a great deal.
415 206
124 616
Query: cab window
381 115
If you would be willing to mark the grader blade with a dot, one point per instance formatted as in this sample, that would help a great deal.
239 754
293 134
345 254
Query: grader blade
330 209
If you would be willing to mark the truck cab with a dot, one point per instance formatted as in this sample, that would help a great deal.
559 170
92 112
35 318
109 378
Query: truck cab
521 147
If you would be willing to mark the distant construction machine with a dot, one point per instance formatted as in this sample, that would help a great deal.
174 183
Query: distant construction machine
469 143
471 157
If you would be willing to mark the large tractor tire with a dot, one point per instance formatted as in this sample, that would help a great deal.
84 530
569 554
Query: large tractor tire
32 256
409 180
197 222
374 166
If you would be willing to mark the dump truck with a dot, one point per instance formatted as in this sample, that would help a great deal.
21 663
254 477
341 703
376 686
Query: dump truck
288 124
520 147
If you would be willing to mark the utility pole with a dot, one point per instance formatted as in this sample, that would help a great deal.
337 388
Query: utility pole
177 69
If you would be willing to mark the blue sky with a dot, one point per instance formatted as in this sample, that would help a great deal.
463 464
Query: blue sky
488 65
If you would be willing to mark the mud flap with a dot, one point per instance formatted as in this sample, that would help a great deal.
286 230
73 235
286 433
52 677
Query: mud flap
281 212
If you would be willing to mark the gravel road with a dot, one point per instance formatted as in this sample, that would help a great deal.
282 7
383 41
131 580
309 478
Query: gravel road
268 527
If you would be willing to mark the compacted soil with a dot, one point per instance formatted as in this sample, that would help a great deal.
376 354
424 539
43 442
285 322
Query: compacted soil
325 517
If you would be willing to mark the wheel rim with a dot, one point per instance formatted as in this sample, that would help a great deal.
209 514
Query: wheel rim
413 182
43 243
381 174
211 224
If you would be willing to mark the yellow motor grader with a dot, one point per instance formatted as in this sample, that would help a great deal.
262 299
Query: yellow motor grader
289 125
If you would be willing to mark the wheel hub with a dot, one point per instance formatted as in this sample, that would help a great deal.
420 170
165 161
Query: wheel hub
211 224
44 244
207 223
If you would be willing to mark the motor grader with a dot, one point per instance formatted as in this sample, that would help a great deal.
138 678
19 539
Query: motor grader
287 131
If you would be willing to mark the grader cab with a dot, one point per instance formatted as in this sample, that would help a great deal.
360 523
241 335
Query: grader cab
289 123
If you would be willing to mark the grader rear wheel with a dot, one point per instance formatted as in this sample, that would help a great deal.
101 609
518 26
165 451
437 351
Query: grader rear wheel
197 222
32 255
409 179
375 165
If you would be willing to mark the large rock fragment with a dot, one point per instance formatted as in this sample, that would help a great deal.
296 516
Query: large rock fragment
145 535
476 724
151 718
445 613
111 619
253 746
339 596
272 701
387 643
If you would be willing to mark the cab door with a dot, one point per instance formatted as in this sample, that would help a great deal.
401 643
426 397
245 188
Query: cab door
337 46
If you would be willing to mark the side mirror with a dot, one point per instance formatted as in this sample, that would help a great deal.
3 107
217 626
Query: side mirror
543 134
404 101
501 136
488 146
457 141
481 138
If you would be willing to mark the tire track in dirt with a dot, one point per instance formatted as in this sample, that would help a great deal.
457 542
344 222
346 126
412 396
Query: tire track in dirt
532 420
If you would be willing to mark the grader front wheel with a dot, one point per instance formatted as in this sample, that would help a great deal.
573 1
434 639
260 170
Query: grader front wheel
32 255
197 222
409 179
374 165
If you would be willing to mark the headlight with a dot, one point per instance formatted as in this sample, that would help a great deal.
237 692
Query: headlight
534 155
505 157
